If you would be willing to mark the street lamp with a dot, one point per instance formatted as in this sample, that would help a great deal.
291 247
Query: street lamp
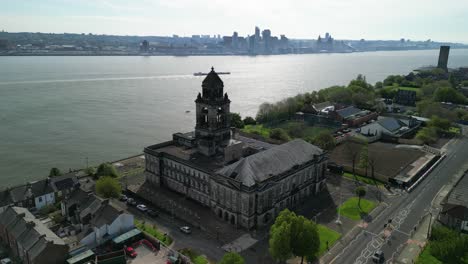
338 220
429 227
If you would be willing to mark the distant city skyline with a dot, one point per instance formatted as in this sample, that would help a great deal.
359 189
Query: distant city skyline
387 19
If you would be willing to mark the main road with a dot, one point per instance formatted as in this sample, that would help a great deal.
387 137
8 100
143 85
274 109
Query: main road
404 212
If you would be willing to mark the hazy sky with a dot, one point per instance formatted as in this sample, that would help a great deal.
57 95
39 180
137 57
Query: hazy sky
441 20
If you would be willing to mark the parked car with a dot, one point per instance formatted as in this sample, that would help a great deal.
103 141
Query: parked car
185 229
142 207
123 198
131 201
6 261
130 252
378 257
151 212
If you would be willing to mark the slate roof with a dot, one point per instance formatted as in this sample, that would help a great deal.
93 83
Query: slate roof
28 231
459 194
348 111
20 193
274 161
391 124
41 187
5 198
64 182
106 215
212 79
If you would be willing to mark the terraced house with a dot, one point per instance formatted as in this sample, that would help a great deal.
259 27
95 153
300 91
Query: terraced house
244 181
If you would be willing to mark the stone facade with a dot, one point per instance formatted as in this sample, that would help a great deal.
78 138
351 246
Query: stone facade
244 182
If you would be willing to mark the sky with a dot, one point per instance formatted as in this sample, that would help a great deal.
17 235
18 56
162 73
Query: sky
439 20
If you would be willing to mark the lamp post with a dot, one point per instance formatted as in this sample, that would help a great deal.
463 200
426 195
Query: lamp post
429 227
338 220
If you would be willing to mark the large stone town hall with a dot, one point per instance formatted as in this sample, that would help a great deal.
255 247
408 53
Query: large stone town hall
244 181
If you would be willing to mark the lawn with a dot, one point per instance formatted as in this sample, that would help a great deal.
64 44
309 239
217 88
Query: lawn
427 258
294 129
363 179
153 230
258 129
327 234
351 210
194 256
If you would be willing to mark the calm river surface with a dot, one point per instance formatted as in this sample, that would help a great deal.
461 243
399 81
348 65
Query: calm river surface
56 111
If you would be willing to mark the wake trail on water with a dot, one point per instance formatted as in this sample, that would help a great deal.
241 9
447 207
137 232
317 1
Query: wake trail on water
100 79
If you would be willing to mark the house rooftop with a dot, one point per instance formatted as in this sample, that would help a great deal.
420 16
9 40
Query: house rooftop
459 194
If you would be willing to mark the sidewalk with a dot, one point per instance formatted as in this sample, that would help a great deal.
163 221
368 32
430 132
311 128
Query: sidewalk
417 242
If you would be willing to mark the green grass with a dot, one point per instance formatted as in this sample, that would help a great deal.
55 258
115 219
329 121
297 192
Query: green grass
455 130
257 129
327 234
153 230
264 131
351 210
426 257
363 179
194 256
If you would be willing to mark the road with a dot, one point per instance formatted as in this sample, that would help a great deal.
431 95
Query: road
198 240
404 211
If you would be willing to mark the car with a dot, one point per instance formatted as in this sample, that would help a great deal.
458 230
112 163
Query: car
6 261
123 198
346 130
185 229
378 257
152 212
142 207
130 252
131 201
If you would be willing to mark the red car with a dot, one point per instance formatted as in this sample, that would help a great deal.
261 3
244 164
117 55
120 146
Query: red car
130 252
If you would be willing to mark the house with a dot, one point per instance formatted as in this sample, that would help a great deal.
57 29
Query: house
406 97
353 116
96 219
30 240
40 193
107 223
33 194
63 185
454 212
391 127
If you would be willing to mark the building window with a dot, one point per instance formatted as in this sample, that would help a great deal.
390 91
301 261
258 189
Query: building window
40 199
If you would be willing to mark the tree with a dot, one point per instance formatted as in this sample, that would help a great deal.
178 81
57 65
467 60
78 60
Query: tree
353 151
360 192
439 123
236 120
293 235
449 94
232 258
54 172
427 135
279 134
248 120
364 157
108 187
324 140
106 169
90 171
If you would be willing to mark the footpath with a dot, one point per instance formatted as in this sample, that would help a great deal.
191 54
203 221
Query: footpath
418 240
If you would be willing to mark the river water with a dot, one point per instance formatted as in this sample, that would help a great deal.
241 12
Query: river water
56 111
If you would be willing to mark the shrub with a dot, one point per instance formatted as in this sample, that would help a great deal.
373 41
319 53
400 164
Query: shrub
279 134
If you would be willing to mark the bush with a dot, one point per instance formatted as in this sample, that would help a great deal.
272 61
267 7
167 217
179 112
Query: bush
279 134
106 169
108 187
427 135
54 172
